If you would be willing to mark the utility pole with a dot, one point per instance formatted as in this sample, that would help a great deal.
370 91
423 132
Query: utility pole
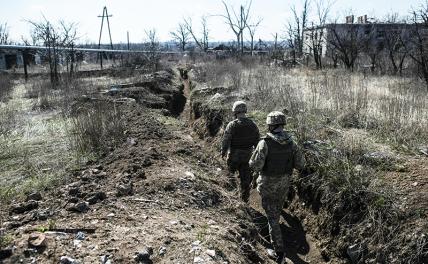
127 36
104 15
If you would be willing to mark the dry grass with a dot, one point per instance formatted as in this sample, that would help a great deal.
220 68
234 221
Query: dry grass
34 153
41 142
395 109
6 85
342 118
97 128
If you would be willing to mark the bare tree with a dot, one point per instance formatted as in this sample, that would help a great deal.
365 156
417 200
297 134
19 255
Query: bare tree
297 26
33 39
4 34
371 45
252 27
346 40
237 22
333 54
292 39
152 45
395 44
317 34
201 42
181 35
69 37
417 45
54 38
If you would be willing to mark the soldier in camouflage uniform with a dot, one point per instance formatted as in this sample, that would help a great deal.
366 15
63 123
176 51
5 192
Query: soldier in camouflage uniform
239 139
275 157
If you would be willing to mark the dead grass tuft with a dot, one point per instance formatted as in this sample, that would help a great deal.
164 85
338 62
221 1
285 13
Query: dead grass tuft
97 127
353 128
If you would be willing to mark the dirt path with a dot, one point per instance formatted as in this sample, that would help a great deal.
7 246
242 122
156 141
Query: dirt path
301 247
157 198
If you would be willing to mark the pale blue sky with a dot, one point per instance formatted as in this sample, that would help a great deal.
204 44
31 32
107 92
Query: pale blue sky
136 16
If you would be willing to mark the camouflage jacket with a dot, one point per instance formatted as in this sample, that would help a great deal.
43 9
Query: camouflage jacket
258 158
240 133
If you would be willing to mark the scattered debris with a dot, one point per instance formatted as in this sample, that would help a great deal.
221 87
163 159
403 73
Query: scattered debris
124 189
190 175
74 191
131 141
96 197
25 207
81 207
423 150
144 255
105 259
37 240
162 251
80 235
68 260
198 259
35 196
210 252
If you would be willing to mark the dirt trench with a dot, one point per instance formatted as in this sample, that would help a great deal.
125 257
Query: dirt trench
319 230
157 198
161 192
207 115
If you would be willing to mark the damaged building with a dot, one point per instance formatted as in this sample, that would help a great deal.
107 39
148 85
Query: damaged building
10 59
361 32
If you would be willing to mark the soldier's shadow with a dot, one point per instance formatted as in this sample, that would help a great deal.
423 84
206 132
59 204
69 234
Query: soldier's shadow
293 235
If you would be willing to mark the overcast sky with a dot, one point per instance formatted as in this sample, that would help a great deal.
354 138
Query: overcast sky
136 16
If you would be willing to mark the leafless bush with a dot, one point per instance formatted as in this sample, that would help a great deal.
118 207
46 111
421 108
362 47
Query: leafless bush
54 38
4 34
153 47
97 127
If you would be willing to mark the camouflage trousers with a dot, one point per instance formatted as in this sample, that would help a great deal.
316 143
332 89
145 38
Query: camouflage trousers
237 161
273 190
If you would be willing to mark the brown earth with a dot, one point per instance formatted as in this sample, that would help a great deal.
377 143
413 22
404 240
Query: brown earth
160 191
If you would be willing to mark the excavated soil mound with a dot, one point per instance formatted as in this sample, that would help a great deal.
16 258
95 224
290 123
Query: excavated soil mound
156 198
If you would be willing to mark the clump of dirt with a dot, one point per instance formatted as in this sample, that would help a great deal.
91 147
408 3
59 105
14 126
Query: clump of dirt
210 110
158 91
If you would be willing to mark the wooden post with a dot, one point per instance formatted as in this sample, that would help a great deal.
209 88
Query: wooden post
127 36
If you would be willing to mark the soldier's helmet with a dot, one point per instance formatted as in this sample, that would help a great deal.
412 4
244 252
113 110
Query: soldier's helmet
239 107
275 118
